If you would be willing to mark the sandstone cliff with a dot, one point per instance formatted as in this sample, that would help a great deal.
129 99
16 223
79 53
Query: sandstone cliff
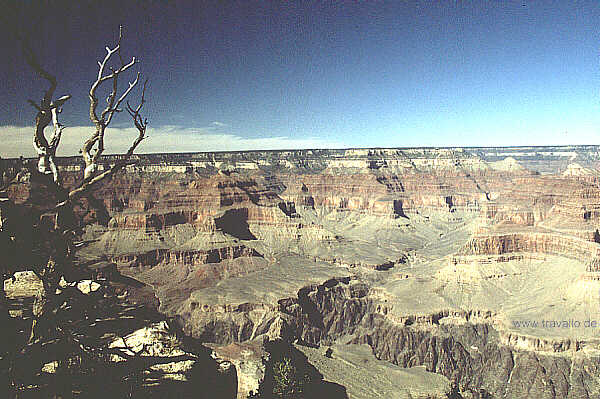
425 256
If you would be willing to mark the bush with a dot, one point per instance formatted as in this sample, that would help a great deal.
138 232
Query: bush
287 375
288 381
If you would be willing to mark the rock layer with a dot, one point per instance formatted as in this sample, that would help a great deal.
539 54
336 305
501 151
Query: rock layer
428 256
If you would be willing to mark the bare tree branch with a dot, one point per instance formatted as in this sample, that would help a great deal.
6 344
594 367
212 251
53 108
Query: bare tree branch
88 184
48 111
140 123
137 120
94 146
120 100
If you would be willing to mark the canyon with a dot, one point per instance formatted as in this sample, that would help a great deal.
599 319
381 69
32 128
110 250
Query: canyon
429 272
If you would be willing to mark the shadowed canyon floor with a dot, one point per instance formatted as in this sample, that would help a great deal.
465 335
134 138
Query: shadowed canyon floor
423 269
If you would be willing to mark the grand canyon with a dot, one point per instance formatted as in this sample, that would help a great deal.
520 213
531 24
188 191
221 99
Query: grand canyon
423 272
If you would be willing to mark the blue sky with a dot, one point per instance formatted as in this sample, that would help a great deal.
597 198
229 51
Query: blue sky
251 75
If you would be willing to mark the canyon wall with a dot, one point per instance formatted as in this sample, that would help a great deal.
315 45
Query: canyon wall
428 256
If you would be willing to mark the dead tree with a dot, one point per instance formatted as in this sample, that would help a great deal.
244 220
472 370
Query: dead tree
48 111
47 249
94 146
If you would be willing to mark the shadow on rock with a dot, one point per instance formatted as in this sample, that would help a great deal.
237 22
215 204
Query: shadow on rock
288 374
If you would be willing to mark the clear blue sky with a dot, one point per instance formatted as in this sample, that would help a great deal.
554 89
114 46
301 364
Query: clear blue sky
296 74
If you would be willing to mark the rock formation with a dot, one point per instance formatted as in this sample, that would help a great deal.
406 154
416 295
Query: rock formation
465 263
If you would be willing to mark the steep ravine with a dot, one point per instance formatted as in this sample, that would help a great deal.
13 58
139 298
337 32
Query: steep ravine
470 353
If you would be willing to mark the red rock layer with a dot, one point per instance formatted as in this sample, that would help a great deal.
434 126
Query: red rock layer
547 243
187 258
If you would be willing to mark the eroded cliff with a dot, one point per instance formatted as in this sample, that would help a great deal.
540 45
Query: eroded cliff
461 261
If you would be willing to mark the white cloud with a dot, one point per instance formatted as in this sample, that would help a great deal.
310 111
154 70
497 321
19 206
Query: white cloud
16 141
219 124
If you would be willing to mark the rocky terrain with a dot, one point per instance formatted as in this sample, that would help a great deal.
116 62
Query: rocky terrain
469 273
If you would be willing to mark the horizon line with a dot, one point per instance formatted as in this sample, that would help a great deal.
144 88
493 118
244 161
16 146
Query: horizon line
326 149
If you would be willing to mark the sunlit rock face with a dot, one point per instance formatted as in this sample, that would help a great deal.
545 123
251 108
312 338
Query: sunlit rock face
464 261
